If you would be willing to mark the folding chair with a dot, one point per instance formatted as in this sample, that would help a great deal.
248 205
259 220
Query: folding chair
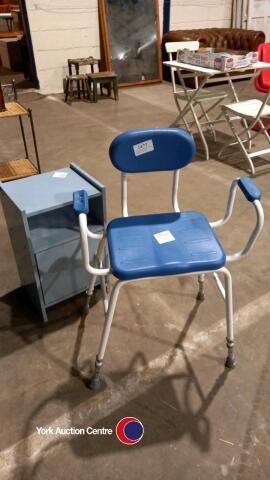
254 114
159 245
262 81
185 94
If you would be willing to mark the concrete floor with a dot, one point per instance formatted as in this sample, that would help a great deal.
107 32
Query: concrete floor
165 358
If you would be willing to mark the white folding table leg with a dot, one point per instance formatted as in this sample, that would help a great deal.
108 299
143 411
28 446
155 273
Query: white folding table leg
178 119
200 131
190 105
94 382
211 124
236 99
192 98
240 142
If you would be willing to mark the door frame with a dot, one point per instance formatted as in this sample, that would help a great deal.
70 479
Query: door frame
29 42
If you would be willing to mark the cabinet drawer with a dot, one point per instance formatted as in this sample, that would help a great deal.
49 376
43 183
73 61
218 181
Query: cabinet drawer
61 270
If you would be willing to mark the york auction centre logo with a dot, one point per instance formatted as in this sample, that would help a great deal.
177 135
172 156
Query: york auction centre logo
129 430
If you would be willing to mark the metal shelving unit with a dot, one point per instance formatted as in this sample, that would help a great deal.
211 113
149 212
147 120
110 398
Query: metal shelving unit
16 169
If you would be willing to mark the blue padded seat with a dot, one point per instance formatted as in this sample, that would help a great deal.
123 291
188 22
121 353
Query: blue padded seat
135 252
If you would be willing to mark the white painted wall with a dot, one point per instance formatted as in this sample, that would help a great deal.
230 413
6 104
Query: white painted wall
186 14
259 16
64 29
61 29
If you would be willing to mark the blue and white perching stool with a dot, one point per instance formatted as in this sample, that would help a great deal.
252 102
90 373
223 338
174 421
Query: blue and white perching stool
165 244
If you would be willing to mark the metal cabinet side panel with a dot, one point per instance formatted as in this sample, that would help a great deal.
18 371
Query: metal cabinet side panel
22 248
61 271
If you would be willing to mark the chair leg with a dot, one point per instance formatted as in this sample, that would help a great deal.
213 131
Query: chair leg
245 123
87 88
230 360
240 142
109 90
83 89
192 108
78 89
104 294
67 90
264 130
177 121
115 89
94 382
95 98
201 294
71 91
89 293
211 125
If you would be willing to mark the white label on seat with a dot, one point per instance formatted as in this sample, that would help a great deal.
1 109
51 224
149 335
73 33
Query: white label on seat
164 237
144 147
60 174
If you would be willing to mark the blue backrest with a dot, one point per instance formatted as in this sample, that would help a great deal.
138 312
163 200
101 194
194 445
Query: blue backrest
152 150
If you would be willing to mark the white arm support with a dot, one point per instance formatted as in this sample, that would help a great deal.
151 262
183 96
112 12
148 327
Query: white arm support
229 208
175 191
254 235
85 233
256 231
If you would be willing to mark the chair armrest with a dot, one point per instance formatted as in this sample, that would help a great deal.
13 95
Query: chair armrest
81 208
249 189
80 202
253 195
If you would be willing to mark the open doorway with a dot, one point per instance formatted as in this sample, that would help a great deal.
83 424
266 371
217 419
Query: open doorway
16 53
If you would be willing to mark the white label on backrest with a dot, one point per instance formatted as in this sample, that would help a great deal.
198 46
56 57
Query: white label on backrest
60 174
164 237
144 147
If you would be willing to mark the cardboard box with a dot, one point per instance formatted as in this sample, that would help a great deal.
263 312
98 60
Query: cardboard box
217 59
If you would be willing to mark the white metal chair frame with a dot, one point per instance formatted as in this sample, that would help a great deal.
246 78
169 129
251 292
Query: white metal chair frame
193 97
110 303
232 113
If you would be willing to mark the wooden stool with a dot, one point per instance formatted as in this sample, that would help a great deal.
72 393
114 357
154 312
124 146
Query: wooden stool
81 81
79 62
103 78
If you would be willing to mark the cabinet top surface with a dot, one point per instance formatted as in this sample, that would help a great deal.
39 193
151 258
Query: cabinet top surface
47 191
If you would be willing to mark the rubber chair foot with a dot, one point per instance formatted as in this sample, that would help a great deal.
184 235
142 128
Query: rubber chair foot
94 383
230 362
200 296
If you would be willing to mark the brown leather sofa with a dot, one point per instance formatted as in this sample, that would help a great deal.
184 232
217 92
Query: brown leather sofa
229 38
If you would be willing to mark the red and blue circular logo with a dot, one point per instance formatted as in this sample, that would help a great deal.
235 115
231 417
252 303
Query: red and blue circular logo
129 430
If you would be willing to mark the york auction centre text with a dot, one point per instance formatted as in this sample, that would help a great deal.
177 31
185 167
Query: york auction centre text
73 431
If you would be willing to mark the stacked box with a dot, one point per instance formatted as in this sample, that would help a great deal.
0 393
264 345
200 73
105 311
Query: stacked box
223 61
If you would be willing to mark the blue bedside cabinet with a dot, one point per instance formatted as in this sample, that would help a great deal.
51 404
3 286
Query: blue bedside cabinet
44 232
